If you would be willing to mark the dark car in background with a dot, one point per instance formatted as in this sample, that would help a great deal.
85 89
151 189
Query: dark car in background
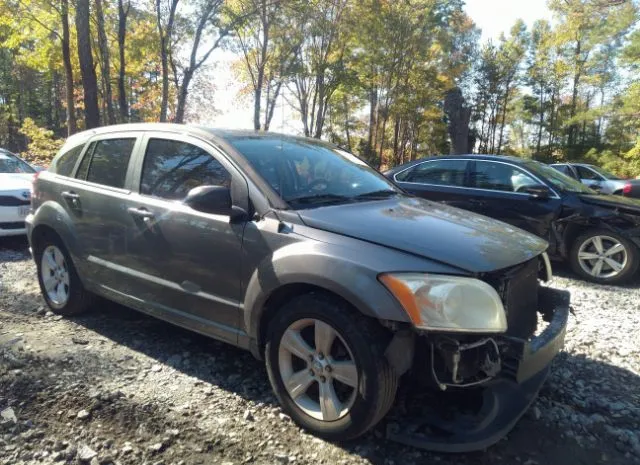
600 179
599 235
312 260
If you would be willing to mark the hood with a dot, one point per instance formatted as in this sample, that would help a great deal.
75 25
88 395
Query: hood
15 181
612 201
432 230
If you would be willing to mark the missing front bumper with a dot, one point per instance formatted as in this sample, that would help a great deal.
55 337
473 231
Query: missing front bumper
453 423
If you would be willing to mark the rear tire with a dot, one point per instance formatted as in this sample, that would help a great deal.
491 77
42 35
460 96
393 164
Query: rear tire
59 282
364 393
597 254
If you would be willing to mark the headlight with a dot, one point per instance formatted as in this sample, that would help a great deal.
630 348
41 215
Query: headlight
447 303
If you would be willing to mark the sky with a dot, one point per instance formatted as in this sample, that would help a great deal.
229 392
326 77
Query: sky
492 16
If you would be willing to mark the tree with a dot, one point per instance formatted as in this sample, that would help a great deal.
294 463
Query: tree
458 115
319 60
123 14
269 46
584 26
103 46
89 80
165 15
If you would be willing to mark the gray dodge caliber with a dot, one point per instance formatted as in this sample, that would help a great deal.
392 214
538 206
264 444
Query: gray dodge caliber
303 254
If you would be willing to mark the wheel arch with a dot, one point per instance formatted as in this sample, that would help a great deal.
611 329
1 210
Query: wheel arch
51 218
276 282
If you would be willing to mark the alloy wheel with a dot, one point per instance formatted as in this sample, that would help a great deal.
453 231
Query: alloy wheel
55 276
602 256
318 369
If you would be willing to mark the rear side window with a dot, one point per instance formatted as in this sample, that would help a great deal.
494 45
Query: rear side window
67 161
438 172
108 162
500 177
172 168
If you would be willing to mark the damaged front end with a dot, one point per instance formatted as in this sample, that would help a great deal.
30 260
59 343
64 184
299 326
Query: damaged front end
481 384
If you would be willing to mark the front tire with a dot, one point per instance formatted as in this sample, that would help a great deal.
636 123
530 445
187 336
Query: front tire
327 367
604 257
59 282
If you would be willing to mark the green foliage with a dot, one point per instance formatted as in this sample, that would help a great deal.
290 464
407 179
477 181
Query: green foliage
42 145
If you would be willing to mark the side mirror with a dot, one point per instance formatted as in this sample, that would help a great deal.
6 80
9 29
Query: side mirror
537 191
210 199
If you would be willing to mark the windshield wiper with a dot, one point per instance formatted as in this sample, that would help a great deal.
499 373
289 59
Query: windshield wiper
381 194
318 198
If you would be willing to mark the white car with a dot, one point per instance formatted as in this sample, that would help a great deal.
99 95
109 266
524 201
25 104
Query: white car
16 177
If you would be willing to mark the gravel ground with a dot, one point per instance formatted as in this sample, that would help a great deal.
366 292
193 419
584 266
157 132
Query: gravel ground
115 386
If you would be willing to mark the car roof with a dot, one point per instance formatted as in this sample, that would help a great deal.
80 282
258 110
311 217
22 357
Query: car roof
474 156
192 129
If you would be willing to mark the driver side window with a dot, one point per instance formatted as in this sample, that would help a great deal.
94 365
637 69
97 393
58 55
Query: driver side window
172 168
587 174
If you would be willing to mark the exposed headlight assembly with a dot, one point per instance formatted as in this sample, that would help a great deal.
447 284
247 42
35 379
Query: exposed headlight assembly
447 303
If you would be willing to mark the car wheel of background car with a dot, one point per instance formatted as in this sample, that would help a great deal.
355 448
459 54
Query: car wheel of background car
602 256
58 279
327 367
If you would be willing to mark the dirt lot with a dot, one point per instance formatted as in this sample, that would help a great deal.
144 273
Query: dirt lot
117 387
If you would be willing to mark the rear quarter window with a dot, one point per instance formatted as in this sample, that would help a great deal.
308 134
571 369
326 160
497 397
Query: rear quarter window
67 161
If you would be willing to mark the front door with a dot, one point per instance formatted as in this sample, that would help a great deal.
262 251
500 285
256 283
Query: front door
187 262
590 178
498 189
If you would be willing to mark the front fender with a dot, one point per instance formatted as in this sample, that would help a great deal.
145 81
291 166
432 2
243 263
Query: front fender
340 270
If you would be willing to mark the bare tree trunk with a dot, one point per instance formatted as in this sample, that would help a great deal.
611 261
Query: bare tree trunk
321 106
396 141
88 72
346 121
552 122
103 44
122 35
68 68
165 42
540 121
373 110
182 96
504 116
574 93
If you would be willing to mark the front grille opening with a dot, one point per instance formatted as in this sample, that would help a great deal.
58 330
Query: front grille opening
9 201
518 288
13 225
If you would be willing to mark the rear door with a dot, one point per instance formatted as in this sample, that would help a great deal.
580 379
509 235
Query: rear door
442 180
498 188
186 264
94 198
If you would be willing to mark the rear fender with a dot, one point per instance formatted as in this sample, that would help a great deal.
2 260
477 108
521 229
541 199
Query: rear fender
54 216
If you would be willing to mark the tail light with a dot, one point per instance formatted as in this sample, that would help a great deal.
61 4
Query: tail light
626 189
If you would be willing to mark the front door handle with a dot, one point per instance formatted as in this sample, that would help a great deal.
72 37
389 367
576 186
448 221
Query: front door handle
70 195
477 203
140 213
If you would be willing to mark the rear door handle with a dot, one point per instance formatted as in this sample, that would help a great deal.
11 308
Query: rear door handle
477 202
70 195
141 213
